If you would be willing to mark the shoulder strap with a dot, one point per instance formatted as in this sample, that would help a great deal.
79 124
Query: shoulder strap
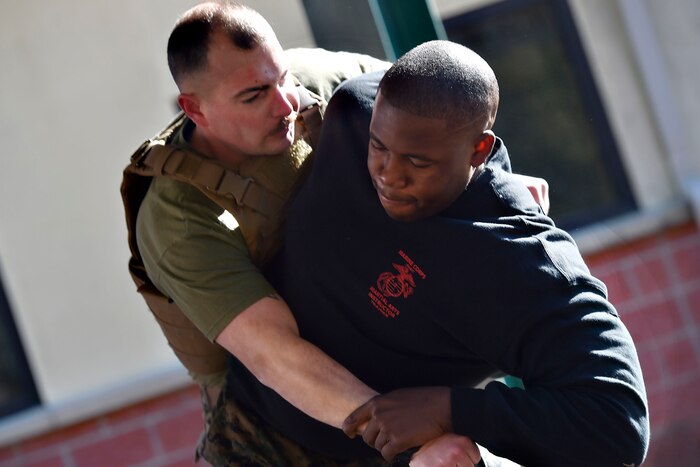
311 108
159 158
200 356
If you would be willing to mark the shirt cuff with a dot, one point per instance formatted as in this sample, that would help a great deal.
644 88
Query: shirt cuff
467 405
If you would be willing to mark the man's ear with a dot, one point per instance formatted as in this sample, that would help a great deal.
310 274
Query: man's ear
189 103
482 148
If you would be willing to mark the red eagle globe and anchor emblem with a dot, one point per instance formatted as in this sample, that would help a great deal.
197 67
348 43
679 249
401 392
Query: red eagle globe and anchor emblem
397 285
400 283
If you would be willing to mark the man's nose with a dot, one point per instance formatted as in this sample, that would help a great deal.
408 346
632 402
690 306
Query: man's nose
392 171
284 102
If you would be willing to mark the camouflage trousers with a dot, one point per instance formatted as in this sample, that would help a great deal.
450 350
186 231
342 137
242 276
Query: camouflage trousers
237 437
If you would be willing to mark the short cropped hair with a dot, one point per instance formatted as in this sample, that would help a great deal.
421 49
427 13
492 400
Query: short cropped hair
442 79
189 41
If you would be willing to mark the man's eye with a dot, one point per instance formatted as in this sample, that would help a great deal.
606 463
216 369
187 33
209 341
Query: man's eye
251 98
419 163
376 146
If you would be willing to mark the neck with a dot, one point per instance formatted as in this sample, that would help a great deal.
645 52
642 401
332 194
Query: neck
475 172
211 149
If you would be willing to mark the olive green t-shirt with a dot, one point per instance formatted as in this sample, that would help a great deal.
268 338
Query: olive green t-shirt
195 255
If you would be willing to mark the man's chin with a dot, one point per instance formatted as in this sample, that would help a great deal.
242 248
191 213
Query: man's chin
288 138
280 144
398 211
399 215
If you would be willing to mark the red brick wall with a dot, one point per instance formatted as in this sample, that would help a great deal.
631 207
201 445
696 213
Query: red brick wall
653 282
157 433
655 285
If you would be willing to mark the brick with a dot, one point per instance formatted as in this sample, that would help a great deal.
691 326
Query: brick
678 358
117 451
681 232
653 320
694 302
53 461
181 458
623 251
618 289
7 453
186 396
676 405
188 462
687 261
651 275
634 248
679 445
180 431
683 401
650 369
60 436
659 411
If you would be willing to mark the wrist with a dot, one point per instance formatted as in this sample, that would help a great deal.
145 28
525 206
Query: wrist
466 409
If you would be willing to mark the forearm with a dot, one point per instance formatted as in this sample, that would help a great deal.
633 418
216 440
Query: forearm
266 340
314 383
549 427
584 401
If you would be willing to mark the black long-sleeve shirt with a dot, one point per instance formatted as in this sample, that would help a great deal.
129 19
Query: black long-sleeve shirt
489 286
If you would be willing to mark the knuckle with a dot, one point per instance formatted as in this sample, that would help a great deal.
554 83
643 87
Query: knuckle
455 453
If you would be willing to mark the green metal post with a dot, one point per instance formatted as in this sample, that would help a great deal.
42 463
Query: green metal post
403 24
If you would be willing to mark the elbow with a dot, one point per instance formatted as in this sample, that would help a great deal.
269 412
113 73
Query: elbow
609 431
633 441
626 438
628 447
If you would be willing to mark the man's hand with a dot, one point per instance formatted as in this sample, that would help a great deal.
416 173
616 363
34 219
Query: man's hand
448 450
539 189
402 419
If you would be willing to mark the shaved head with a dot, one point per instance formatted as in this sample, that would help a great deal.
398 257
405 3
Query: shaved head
194 31
442 79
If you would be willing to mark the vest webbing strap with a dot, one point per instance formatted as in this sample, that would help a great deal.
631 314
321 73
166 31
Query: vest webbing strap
192 348
311 115
208 176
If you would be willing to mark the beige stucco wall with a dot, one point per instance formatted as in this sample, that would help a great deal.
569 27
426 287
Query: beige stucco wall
82 84
677 25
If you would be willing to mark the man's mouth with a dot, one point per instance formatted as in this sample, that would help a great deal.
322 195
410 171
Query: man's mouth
390 198
285 124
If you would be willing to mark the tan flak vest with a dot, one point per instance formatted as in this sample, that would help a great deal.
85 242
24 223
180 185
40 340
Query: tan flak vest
259 211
